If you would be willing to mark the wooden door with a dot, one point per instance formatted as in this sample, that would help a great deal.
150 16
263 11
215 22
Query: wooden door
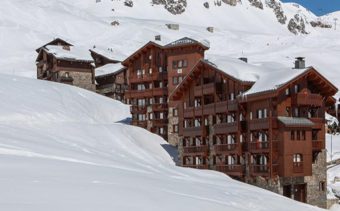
287 191
300 192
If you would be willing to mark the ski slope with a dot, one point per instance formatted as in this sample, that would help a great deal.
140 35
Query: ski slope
63 148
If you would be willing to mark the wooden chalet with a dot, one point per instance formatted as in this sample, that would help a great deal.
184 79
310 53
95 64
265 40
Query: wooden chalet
66 64
153 71
55 42
270 129
112 81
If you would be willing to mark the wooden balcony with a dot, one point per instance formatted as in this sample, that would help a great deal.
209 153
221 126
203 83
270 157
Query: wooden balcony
222 107
198 166
209 109
196 131
155 76
160 91
206 89
309 99
224 128
159 122
258 147
188 112
259 124
159 107
138 123
232 105
227 148
196 150
231 170
318 145
260 170
298 167
138 93
138 109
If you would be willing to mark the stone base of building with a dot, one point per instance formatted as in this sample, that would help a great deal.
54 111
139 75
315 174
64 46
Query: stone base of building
308 189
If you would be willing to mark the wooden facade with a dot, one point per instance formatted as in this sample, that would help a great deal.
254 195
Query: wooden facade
113 85
153 72
275 134
69 70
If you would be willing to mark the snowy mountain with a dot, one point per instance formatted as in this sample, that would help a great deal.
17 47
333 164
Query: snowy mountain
240 29
62 148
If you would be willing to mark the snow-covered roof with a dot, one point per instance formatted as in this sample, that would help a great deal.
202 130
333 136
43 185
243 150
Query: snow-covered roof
109 69
109 53
186 41
295 121
272 80
235 67
74 53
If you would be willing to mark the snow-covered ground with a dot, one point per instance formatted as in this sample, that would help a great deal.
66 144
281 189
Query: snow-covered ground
63 148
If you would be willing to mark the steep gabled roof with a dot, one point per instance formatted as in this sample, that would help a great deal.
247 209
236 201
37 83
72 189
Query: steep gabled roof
73 54
109 69
54 42
185 41
107 54
195 70
150 43
278 80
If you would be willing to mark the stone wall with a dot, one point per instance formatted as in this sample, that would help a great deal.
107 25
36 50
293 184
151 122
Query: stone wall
315 196
80 79
173 138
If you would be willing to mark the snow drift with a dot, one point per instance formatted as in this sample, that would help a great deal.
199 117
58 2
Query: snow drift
62 148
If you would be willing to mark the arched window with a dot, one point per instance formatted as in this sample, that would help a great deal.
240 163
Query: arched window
297 158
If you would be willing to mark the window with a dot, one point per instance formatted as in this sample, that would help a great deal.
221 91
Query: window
231 96
180 79
160 69
161 131
287 92
322 186
303 135
175 129
298 137
175 112
175 80
185 63
251 115
296 88
174 64
297 158
315 135
259 114
150 71
150 116
265 114
180 64
67 74
296 112
292 135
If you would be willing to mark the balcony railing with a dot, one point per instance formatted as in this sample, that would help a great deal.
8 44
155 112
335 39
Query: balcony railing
226 148
198 166
298 167
209 109
204 149
224 128
205 89
138 123
159 107
232 170
263 170
195 131
309 99
188 112
259 146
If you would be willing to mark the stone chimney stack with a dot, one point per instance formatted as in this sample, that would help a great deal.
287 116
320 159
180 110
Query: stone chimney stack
300 63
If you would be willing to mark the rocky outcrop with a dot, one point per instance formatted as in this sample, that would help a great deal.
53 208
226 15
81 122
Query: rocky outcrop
320 24
256 3
276 6
297 25
231 2
173 6
128 3
206 5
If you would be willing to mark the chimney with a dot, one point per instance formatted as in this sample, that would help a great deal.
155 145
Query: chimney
158 37
300 63
245 59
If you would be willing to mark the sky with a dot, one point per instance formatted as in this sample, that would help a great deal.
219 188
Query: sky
319 7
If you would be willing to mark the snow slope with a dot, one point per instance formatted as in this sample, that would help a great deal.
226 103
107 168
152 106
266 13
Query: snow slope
61 148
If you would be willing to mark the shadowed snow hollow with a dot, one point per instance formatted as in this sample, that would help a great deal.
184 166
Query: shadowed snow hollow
61 148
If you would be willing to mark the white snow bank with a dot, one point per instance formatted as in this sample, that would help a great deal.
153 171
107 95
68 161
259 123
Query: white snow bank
61 150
